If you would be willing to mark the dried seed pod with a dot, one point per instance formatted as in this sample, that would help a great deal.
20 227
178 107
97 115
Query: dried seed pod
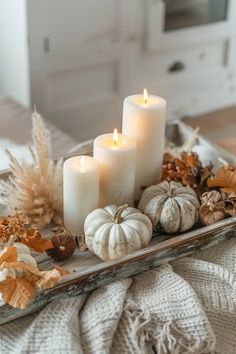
64 246
211 212
212 196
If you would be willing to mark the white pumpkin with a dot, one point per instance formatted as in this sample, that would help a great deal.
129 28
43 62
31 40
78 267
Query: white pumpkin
21 248
170 205
7 273
23 255
112 232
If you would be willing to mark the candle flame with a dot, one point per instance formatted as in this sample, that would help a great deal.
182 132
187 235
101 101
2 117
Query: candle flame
82 163
115 136
145 96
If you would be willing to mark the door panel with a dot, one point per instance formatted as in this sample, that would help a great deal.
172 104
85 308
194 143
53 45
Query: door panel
77 62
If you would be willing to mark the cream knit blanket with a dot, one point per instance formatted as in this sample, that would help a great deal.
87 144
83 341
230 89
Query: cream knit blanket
188 306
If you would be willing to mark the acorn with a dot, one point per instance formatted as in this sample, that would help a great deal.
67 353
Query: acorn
64 246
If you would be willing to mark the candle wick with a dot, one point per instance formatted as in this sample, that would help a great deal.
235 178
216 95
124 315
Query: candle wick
145 100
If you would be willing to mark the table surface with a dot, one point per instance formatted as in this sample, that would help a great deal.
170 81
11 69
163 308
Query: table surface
15 125
218 126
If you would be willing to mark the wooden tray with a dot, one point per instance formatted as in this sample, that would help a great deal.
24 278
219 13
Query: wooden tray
88 272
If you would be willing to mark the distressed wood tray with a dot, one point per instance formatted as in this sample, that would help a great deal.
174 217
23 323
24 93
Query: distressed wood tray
88 272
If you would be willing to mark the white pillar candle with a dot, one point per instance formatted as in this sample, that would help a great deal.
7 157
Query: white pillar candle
116 155
144 119
80 191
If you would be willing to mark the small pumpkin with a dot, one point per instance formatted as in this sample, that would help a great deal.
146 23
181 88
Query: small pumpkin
212 207
112 232
170 205
23 255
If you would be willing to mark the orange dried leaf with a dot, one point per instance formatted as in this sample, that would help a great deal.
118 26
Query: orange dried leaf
225 178
31 278
48 279
17 292
20 265
10 255
61 270
33 239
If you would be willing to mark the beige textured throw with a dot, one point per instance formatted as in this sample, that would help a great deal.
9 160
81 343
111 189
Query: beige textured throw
188 306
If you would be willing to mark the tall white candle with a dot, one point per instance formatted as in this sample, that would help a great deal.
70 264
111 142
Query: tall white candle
144 118
116 155
80 191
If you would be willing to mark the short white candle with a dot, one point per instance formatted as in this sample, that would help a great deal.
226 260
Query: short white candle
144 118
116 155
80 191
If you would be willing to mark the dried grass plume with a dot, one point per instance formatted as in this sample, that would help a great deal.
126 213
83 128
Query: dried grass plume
35 189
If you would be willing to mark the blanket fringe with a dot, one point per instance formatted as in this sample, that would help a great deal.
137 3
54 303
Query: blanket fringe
164 338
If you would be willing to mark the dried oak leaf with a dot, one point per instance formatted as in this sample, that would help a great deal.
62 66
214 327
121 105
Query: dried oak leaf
48 278
20 265
225 179
17 292
61 270
42 279
33 239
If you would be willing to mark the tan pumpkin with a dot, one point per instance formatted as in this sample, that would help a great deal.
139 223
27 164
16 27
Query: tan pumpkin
170 205
112 232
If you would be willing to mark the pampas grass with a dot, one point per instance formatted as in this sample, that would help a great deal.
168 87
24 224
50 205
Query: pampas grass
35 189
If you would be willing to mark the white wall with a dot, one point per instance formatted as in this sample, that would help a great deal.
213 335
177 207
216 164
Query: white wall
14 68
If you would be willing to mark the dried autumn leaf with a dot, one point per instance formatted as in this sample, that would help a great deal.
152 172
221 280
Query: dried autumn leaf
17 292
225 179
31 278
33 239
9 255
48 278
61 270
20 265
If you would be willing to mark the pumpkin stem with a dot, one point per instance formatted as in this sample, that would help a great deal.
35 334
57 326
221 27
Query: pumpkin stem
211 206
171 191
117 218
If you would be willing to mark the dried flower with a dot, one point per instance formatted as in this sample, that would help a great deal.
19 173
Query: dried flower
188 170
64 246
212 196
225 179
35 189
15 228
